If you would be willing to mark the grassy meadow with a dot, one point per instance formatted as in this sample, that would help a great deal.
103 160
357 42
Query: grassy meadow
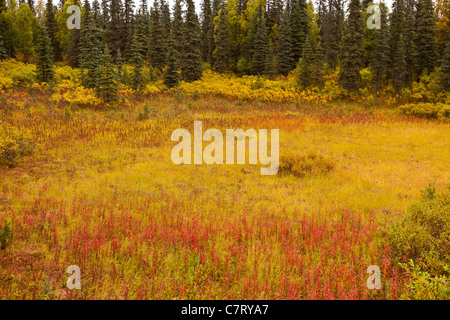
100 191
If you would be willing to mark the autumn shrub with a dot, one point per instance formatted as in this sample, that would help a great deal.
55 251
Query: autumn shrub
18 73
14 144
423 236
423 286
6 236
427 110
301 165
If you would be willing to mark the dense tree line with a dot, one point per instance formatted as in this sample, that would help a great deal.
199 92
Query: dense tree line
260 37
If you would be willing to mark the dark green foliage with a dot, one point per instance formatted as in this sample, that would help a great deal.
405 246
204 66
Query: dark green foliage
410 38
108 86
221 52
3 51
171 75
90 50
381 60
260 44
426 42
352 51
178 27
114 33
396 27
331 23
44 58
73 49
191 67
305 66
424 234
142 33
444 75
6 236
137 78
299 27
158 41
399 66
285 57
207 31
52 29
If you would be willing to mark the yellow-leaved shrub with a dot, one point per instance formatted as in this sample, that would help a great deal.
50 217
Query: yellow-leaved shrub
14 143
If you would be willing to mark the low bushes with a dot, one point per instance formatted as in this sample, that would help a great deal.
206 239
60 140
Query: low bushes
439 111
423 236
14 144
305 164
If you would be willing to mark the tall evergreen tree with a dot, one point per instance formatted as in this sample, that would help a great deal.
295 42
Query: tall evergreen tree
399 66
426 41
115 29
299 27
285 57
44 58
352 52
221 52
137 78
260 44
305 65
171 76
158 42
108 86
191 68
396 27
90 49
52 29
331 21
410 38
3 51
207 31
178 27
142 34
381 57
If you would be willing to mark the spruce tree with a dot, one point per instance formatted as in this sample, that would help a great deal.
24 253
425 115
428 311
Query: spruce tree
142 34
352 52
171 76
331 25
285 57
305 65
115 29
410 38
90 50
270 68
158 42
396 27
260 44
3 52
178 27
44 58
426 42
137 77
444 75
221 52
52 29
191 68
207 30
381 57
399 66
108 86
299 27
